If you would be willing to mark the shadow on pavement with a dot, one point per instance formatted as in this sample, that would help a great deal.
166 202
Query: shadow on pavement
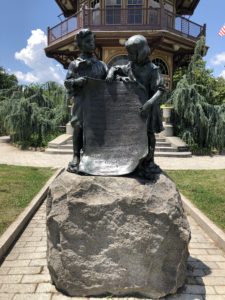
194 288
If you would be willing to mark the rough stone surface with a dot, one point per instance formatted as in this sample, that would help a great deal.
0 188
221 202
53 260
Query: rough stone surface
116 235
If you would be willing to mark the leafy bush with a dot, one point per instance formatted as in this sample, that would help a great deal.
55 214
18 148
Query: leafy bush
30 114
197 121
6 80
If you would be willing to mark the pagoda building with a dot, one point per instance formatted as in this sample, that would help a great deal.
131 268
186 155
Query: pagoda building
171 36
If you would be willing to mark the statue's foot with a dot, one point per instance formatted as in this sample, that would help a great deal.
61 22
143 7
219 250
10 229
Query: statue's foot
149 170
73 166
153 167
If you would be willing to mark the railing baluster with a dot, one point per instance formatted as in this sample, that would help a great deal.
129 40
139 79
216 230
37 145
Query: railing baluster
151 19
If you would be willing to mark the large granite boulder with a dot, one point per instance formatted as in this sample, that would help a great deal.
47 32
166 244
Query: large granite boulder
116 235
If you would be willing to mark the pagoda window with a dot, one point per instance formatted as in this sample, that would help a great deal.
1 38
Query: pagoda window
162 65
154 13
135 11
96 16
118 60
169 13
95 4
168 5
154 3
164 70
113 11
83 3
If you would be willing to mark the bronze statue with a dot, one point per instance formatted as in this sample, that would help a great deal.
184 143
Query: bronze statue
144 72
140 72
86 65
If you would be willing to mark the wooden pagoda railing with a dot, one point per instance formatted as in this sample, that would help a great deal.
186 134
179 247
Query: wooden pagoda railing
118 19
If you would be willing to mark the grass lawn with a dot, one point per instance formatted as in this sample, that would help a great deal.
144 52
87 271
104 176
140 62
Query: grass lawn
18 185
206 189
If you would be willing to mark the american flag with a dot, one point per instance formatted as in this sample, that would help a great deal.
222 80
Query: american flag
222 31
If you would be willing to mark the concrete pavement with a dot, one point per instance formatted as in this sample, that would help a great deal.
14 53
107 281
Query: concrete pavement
12 155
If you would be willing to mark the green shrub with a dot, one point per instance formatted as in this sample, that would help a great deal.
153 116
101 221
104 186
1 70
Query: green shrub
30 114
197 121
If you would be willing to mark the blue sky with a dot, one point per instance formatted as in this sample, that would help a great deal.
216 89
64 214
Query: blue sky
23 25
212 13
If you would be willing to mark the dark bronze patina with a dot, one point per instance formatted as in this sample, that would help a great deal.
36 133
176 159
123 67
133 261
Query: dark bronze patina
109 118
114 131
86 65
141 70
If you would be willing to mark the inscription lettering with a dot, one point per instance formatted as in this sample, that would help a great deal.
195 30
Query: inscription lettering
115 136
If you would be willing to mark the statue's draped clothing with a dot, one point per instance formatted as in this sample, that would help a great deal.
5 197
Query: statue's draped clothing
148 76
83 67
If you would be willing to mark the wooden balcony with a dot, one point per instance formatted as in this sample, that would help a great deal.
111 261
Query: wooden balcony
128 19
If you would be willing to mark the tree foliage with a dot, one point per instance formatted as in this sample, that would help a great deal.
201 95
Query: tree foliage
31 113
200 123
6 80
178 74
205 77
219 91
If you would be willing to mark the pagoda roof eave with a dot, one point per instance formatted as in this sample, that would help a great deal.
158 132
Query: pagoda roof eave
68 9
186 7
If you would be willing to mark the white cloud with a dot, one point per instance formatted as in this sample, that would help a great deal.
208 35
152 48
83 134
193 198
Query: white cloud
218 59
222 74
27 77
42 68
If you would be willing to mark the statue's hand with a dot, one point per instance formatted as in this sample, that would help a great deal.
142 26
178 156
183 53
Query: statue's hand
74 83
109 78
79 82
143 110
125 79
146 107
68 83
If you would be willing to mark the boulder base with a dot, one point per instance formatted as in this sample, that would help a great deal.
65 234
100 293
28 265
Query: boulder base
116 235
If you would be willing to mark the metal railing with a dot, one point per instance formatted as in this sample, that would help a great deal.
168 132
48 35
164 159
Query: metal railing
118 19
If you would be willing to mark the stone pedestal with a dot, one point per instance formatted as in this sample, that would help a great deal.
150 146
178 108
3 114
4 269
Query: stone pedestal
116 235
168 127
69 128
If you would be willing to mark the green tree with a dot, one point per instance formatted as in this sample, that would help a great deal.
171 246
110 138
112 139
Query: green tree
219 91
31 113
203 76
200 123
6 80
178 74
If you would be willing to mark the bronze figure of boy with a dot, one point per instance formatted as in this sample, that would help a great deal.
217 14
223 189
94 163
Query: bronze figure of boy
146 74
86 65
